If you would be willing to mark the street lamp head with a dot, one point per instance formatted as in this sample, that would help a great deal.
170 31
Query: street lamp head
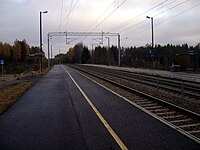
44 12
148 17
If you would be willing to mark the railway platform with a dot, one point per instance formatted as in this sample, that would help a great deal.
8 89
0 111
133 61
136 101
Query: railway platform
66 110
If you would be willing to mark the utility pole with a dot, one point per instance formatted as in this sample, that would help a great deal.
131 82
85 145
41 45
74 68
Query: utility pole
108 53
51 51
152 37
102 37
119 51
48 51
41 40
44 12
152 34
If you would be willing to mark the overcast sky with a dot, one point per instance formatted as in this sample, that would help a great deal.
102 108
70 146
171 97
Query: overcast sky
175 21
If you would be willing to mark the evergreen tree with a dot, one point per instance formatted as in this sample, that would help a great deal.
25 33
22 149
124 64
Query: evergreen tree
85 55
16 51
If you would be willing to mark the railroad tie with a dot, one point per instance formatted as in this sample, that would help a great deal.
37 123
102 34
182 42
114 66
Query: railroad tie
171 117
182 120
189 125
194 131
167 113
153 107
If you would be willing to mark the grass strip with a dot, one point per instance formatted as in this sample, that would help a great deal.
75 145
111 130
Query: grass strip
10 94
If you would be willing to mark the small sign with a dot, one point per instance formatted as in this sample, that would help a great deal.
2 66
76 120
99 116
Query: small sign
150 52
191 51
2 62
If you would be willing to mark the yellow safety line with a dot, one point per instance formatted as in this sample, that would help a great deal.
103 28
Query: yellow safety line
110 130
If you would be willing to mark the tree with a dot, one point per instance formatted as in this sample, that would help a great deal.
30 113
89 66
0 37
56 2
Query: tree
1 51
33 50
92 57
85 55
197 51
25 51
5 51
59 59
78 49
16 51
70 55
113 55
100 55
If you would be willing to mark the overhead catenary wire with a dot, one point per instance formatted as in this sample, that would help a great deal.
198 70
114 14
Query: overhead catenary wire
141 16
101 14
172 7
130 20
68 15
170 18
133 26
61 13
70 9
98 18
165 5
118 6
144 20
177 14
108 16
179 4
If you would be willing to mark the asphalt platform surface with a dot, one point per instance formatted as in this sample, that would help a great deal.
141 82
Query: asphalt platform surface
54 115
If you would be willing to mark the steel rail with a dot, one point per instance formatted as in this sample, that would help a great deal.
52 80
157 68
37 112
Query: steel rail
158 107
180 87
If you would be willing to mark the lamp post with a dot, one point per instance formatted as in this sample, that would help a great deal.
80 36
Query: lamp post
108 41
48 37
152 30
41 12
119 51
108 52
51 51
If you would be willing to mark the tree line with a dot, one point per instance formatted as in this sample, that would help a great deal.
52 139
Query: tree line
18 57
160 57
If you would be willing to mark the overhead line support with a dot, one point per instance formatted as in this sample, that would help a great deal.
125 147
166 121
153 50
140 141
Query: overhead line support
101 34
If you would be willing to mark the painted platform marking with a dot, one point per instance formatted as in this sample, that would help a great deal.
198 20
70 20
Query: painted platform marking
108 127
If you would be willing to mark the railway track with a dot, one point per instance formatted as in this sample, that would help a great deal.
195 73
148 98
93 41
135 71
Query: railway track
183 120
180 87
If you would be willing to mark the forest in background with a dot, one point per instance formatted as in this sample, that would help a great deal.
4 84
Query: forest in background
20 57
160 57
